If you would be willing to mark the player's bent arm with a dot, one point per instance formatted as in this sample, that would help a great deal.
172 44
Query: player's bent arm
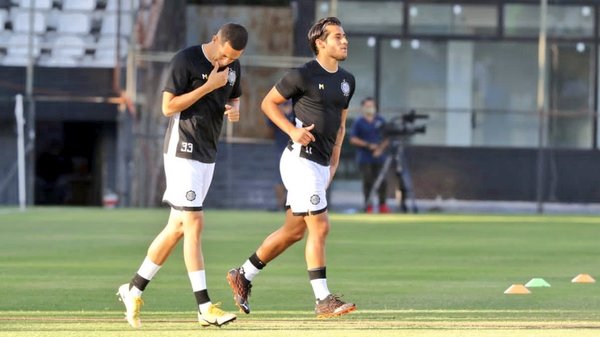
172 104
270 107
337 147
384 144
359 142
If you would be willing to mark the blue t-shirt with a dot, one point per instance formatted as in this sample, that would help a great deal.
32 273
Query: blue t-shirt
371 132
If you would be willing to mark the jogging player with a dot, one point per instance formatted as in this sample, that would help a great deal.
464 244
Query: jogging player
320 91
203 86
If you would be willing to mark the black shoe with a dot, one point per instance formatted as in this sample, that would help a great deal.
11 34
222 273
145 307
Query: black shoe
332 306
240 287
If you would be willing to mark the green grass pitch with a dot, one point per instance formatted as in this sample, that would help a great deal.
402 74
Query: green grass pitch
410 275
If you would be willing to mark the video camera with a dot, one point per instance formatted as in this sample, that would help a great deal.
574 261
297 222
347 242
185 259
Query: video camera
404 125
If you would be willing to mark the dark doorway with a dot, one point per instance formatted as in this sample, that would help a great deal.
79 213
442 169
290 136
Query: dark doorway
67 162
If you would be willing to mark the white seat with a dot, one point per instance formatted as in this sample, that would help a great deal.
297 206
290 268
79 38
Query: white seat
67 51
17 49
73 23
62 62
21 22
18 44
106 51
3 17
68 46
109 24
79 5
126 5
37 4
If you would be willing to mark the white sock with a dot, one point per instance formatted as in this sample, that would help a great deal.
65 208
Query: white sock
198 281
249 270
147 270
320 288
135 292
204 307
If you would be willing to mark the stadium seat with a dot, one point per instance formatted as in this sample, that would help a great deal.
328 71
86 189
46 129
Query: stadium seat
17 49
20 21
68 46
79 5
106 51
126 5
74 23
3 17
37 4
109 24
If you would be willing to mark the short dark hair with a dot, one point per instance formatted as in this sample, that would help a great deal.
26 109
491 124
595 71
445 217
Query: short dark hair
319 31
366 99
235 34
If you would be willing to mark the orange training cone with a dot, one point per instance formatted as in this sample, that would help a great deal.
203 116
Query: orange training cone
517 289
583 278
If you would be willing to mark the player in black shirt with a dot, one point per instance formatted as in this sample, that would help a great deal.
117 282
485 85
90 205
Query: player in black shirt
320 91
203 86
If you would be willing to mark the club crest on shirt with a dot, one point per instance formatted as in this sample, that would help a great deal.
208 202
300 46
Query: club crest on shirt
190 195
315 199
345 88
231 77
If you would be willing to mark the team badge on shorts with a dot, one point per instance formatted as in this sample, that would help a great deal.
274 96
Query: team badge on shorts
315 199
231 77
345 88
190 195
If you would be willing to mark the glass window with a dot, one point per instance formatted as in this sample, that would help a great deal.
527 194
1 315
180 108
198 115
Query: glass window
504 94
413 76
365 16
453 19
563 21
571 85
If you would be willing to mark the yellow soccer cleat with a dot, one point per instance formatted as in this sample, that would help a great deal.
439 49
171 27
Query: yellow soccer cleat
215 316
133 304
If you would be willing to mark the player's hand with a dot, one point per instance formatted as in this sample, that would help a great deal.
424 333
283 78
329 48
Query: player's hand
216 78
232 113
378 152
303 135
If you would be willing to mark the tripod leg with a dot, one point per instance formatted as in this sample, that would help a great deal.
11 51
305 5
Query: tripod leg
403 194
380 178
405 181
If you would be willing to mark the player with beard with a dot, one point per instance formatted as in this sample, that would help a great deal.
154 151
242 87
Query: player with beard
202 88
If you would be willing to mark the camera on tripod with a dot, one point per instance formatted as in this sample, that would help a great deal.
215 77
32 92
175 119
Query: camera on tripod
404 125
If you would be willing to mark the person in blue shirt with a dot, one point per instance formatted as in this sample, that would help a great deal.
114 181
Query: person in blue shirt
367 136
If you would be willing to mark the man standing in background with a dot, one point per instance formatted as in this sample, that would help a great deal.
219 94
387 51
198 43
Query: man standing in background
367 136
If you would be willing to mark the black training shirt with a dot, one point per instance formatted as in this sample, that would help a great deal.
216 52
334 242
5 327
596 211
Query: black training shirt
199 126
319 98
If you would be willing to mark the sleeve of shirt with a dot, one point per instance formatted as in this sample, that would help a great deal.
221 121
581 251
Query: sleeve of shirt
290 85
237 88
352 87
178 75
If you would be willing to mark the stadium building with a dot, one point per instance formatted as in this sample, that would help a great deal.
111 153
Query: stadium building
91 71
